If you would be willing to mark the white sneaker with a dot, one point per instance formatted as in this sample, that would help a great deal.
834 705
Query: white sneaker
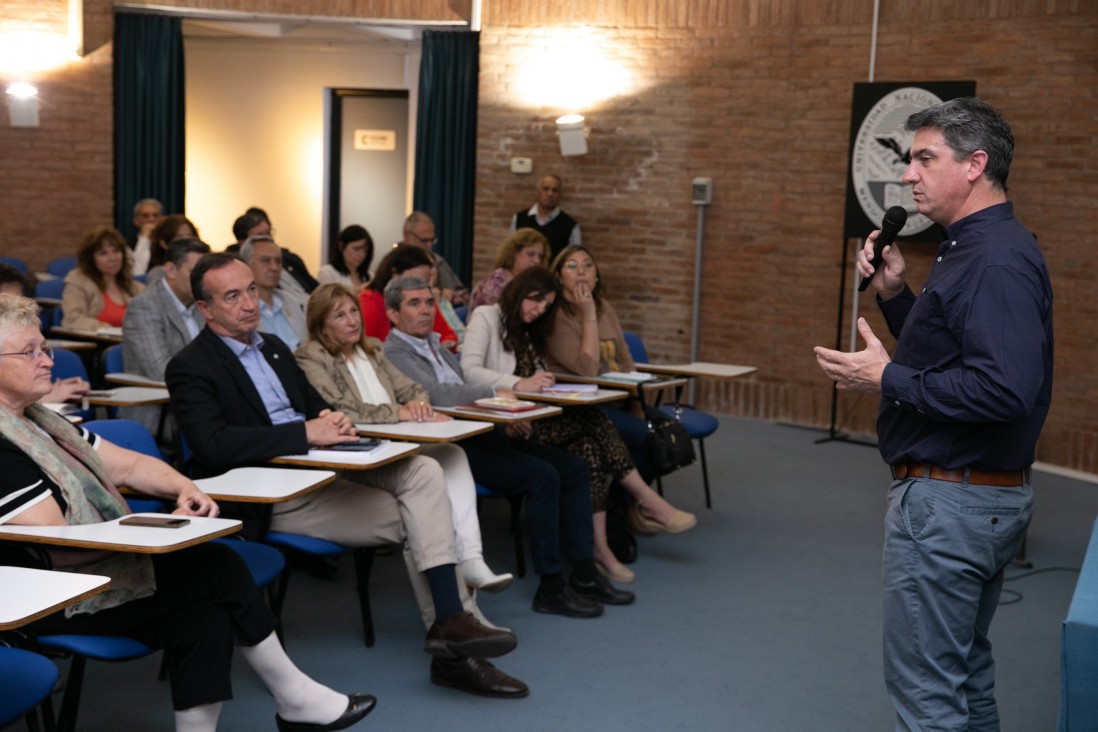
478 575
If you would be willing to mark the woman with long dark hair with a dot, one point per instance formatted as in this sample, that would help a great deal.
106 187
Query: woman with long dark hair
101 285
505 347
349 259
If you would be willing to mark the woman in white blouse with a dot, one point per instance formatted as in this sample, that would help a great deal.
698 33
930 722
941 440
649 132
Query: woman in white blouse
351 372
349 259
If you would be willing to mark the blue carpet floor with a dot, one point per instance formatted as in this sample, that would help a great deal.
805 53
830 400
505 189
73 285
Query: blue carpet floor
765 618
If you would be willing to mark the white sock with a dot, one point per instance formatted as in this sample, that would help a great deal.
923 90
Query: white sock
198 719
299 697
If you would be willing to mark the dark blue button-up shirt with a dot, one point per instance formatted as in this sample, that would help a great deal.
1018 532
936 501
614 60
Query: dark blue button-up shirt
971 378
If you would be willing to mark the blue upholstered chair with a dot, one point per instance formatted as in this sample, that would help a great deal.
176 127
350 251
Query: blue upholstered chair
112 359
516 525
698 424
15 262
61 266
67 364
26 680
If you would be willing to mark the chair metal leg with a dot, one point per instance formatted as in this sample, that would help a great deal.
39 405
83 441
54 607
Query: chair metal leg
70 703
705 472
364 564
276 598
659 485
516 533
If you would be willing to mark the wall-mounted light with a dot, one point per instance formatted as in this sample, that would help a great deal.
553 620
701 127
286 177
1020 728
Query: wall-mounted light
573 134
23 105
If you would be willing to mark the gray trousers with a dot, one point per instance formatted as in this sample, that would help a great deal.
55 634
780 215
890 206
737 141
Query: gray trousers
946 546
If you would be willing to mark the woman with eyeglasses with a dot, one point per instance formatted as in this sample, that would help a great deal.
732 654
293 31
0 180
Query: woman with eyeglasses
505 348
199 604
101 285
586 338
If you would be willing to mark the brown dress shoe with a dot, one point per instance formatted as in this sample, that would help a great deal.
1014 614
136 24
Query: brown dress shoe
476 676
464 635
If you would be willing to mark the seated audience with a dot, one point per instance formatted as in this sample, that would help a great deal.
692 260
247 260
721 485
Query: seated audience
401 261
170 228
100 287
352 374
349 259
159 322
445 307
147 213
505 348
196 603
240 399
556 483
585 338
296 279
12 281
279 313
419 231
521 250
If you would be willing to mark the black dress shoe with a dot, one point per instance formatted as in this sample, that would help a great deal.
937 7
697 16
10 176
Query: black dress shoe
358 707
566 602
476 676
464 635
600 589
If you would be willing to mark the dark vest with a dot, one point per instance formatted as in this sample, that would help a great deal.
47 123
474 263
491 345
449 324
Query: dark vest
556 231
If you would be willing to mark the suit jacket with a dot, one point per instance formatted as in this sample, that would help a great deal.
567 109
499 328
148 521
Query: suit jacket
405 358
332 379
222 417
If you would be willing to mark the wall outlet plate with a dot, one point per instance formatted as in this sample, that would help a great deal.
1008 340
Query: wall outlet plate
523 166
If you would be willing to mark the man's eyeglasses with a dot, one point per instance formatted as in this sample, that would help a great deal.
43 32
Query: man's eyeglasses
33 354
430 242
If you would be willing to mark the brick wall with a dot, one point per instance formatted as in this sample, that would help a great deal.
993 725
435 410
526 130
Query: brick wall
759 100
755 95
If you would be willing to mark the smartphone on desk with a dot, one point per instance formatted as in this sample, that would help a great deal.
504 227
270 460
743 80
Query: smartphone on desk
364 444
161 522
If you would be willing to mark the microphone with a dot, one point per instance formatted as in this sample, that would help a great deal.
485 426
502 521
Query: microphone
894 220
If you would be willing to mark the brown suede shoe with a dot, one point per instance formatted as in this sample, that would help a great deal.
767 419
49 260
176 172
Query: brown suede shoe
464 635
475 676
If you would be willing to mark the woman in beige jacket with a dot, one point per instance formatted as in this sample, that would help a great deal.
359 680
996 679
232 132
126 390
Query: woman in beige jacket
352 374
101 285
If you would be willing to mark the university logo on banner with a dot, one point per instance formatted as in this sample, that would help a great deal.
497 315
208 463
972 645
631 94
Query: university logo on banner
880 151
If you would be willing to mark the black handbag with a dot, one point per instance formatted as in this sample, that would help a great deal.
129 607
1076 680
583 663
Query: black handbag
668 443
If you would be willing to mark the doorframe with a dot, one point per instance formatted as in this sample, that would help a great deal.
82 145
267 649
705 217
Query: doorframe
333 154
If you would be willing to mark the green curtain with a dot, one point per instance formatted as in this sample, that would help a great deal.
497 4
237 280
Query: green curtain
148 114
446 142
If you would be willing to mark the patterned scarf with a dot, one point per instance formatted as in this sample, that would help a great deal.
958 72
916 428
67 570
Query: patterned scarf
72 464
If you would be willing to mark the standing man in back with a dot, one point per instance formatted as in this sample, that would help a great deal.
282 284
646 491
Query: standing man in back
963 400
549 218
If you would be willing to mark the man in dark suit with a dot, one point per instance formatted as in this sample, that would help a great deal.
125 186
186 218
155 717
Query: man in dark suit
240 399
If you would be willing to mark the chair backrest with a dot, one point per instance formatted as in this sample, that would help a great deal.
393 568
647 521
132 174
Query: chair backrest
50 288
67 364
112 359
61 266
126 433
15 262
636 347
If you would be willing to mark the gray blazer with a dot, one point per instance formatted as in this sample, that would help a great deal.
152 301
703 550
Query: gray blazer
154 332
419 369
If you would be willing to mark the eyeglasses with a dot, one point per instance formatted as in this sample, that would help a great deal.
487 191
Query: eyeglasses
33 354
574 265
432 242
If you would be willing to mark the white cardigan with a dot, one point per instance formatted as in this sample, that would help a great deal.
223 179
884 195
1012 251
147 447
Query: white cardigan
485 361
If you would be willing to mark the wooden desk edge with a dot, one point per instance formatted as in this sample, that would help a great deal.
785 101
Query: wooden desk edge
342 466
421 438
264 499
127 548
493 416
653 368
54 608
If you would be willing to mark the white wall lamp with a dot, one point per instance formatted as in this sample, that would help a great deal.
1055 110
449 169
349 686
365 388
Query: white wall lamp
23 105
573 134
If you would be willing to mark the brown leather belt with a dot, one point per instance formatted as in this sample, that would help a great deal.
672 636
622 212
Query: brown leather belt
1001 478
